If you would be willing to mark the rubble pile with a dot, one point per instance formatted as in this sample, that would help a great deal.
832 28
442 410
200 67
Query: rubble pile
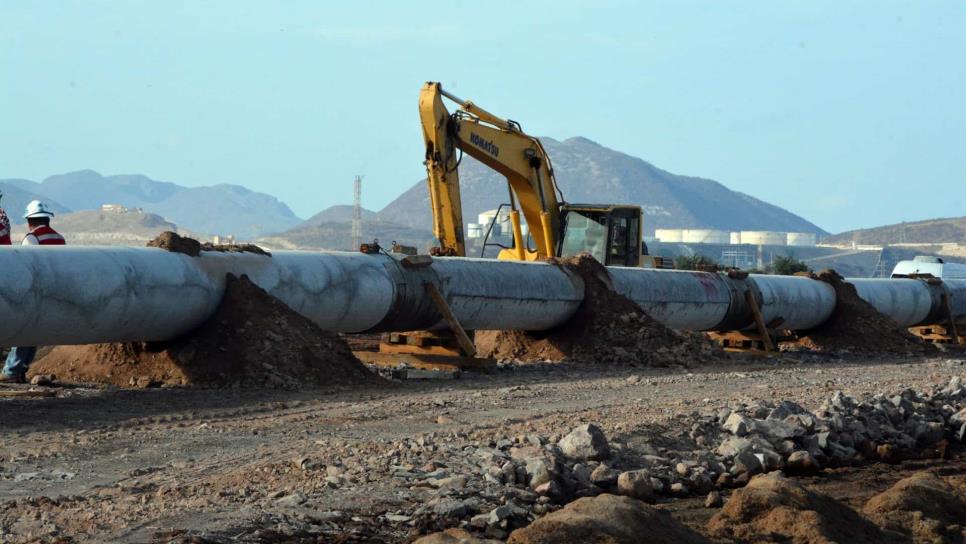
607 328
252 340
506 485
856 326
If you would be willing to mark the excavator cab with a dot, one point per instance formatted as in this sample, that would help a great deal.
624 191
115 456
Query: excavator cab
612 234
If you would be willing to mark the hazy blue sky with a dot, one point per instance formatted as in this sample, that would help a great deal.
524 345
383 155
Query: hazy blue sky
850 114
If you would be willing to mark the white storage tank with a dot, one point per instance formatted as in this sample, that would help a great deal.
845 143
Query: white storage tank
705 236
735 238
474 230
763 238
802 238
669 235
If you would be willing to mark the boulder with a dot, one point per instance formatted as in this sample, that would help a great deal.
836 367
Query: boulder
606 519
738 424
586 442
537 472
801 462
636 484
604 476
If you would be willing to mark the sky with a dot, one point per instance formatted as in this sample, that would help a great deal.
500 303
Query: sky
850 114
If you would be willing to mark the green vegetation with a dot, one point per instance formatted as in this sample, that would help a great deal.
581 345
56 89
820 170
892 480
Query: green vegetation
787 265
695 262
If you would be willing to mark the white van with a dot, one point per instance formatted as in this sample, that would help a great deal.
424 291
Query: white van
933 266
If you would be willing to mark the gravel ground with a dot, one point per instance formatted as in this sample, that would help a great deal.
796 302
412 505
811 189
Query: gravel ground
339 464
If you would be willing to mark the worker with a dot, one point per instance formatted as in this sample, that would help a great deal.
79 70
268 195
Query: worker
4 226
38 216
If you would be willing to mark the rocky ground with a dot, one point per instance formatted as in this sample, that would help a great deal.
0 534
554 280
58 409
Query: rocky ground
866 446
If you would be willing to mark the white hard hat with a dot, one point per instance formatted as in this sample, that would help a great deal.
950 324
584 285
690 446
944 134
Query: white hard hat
37 208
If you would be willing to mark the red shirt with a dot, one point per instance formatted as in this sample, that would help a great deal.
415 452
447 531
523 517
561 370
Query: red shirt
44 236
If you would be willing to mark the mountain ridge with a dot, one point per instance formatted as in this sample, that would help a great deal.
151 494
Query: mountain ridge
588 172
215 209
925 231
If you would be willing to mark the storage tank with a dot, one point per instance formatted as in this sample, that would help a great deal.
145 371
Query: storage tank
735 238
705 236
763 238
474 230
669 235
802 239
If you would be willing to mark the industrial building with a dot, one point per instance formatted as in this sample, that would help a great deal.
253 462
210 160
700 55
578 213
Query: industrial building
749 237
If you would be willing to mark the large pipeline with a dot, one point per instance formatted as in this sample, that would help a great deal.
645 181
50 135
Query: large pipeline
81 295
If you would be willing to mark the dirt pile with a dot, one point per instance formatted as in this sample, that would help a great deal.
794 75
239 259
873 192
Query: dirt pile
607 328
174 242
857 326
924 507
773 508
253 340
607 519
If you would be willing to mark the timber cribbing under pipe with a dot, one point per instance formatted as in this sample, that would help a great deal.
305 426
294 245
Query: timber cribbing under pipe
82 295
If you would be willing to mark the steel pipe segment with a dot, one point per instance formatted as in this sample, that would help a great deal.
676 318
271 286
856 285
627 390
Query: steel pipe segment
67 295
800 303
508 295
907 301
957 298
683 300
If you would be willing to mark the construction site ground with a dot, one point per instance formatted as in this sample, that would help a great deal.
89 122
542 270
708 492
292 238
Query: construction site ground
218 465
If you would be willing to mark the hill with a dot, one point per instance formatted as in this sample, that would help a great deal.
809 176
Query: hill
930 231
337 214
588 172
95 227
336 235
220 209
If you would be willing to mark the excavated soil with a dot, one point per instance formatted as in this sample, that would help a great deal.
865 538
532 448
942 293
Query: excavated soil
174 242
857 326
607 328
772 508
253 340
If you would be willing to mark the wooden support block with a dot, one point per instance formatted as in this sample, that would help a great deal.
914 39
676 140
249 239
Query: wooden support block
464 340
951 320
759 321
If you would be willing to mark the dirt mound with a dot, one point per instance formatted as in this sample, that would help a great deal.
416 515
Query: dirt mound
454 536
607 328
176 243
856 325
606 519
772 508
923 506
253 340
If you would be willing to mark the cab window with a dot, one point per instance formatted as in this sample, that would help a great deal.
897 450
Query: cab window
584 233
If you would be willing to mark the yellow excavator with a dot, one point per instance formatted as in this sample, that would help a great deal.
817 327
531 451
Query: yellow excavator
609 232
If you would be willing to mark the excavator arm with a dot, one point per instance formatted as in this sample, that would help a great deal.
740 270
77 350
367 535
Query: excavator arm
501 145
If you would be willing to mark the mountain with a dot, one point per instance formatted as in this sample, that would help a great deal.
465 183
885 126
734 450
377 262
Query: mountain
337 214
17 193
216 209
930 231
590 173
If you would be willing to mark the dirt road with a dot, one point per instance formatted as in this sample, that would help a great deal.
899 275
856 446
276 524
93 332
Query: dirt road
161 464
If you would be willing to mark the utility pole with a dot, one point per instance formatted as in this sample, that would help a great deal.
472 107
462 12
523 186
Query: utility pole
356 213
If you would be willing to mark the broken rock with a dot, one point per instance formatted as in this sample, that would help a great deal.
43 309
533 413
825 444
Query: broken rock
586 442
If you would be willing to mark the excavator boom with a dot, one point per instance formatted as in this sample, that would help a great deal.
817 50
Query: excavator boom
499 144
